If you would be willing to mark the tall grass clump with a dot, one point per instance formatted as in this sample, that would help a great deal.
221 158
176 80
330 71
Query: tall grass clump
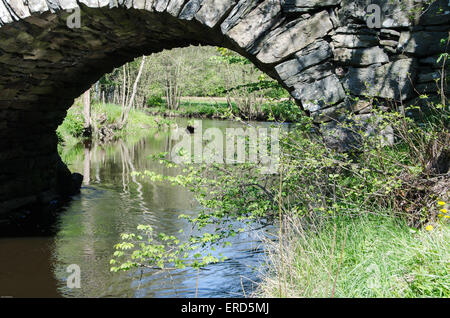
367 256
72 127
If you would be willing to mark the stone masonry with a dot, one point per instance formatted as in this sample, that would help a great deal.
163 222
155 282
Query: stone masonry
322 51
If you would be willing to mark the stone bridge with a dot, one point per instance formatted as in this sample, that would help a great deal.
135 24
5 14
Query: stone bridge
322 51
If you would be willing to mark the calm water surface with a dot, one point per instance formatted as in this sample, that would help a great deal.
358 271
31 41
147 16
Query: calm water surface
113 201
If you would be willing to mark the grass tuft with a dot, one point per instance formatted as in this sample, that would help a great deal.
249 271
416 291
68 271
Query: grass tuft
367 256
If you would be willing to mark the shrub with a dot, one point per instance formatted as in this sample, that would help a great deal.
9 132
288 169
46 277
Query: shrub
72 125
155 101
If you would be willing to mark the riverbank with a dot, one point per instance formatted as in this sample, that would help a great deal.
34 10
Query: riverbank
108 115
282 110
105 116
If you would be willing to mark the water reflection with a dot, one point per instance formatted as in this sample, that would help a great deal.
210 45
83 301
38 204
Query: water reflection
113 201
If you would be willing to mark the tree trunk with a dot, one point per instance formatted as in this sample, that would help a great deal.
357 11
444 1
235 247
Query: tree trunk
126 111
173 91
123 87
87 112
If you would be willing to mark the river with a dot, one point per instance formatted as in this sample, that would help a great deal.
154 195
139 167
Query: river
113 201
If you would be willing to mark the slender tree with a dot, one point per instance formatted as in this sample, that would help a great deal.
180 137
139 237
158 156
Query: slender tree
126 110
124 86
87 112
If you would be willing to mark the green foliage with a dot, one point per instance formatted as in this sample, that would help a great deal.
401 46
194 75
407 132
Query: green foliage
282 111
72 126
147 249
267 88
137 119
155 101
271 88
208 110
231 57
271 110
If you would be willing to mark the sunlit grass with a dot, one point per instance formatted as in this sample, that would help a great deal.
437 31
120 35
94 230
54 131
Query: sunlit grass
71 130
367 256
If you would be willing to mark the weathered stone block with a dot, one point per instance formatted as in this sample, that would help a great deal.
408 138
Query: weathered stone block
37 6
320 94
342 135
190 9
149 5
139 4
432 61
428 77
354 41
390 80
240 10
422 43
104 3
390 43
159 5
394 13
330 113
389 33
255 23
311 55
19 8
175 7
357 29
342 110
295 38
310 74
5 16
94 3
306 5
360 57
212 11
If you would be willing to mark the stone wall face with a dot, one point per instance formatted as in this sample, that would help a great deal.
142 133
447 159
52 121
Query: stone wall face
322 51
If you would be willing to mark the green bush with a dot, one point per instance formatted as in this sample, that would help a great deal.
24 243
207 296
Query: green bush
155 101
72 125
284 111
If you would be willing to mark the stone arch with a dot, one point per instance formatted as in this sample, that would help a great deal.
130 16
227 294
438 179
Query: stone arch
303 44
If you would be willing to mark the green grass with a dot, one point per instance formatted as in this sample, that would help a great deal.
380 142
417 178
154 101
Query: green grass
367 256
136 118
70 131
276 110
194 109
